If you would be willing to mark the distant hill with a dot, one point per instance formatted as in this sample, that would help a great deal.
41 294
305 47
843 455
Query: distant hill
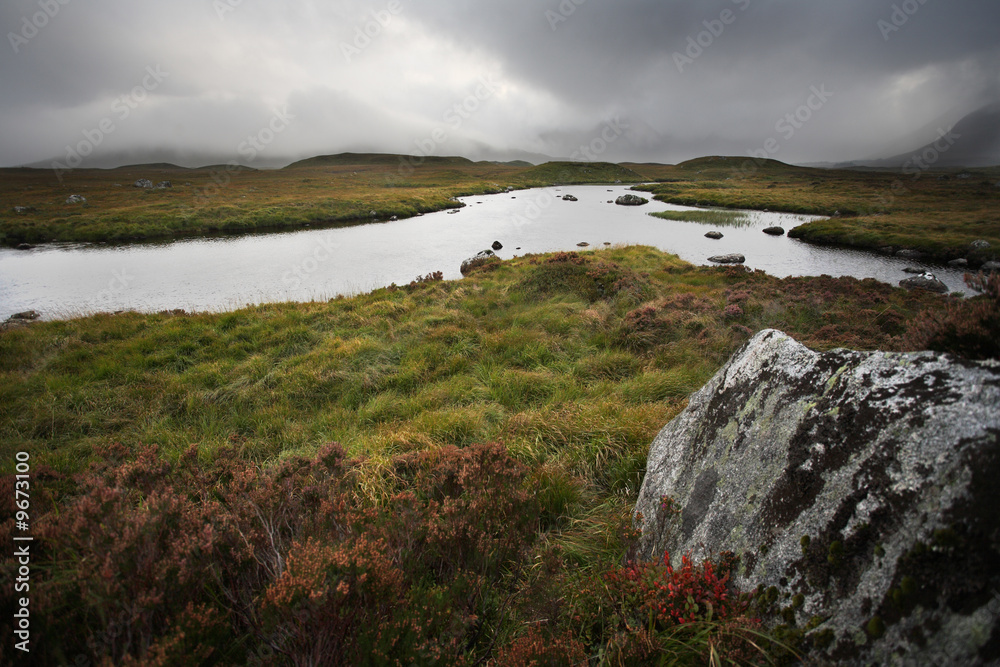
580 172
974 141
155 166
377 159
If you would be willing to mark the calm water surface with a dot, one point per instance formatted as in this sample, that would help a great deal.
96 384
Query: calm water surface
64 280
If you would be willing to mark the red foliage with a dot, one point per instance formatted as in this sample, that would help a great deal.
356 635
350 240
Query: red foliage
672 596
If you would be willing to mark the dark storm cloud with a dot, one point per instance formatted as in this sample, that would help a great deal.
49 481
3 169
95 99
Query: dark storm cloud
681 78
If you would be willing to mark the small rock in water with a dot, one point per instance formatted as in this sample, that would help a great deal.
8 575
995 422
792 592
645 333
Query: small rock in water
913 269
960 263
25 246
927 281
714 235
607 243
582 244
569 198
497 245
733 258
909 253
26 315
774 231
631 200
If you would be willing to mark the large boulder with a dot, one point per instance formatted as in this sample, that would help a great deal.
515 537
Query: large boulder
858 490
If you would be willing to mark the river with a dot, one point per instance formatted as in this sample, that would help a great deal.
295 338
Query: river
225 273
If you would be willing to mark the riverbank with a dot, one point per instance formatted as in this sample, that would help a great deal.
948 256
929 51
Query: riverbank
939 214
573 361
323 191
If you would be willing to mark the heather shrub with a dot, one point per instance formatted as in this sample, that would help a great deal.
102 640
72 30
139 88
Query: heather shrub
223 561
589 278
969 327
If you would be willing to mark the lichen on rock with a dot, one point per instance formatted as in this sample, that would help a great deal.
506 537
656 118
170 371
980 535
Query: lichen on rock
862 485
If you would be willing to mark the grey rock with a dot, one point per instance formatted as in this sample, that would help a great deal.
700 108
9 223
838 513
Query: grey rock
24 246
863 481
990 266
714 235
775 231
26 315
980 245
481 259
925 281
631 200
909 253
163 185
960 263
23 209
733 258
497 245
76 199
569 198
913 269
582 244
144 183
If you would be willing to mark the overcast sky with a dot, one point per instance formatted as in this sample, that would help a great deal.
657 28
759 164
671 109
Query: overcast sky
649 80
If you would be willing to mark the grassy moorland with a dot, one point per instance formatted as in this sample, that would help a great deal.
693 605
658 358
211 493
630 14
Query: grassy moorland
492 433
330 190
937 212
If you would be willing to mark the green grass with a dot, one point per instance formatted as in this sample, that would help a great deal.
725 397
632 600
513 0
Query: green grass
714 217
543 353
936 212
